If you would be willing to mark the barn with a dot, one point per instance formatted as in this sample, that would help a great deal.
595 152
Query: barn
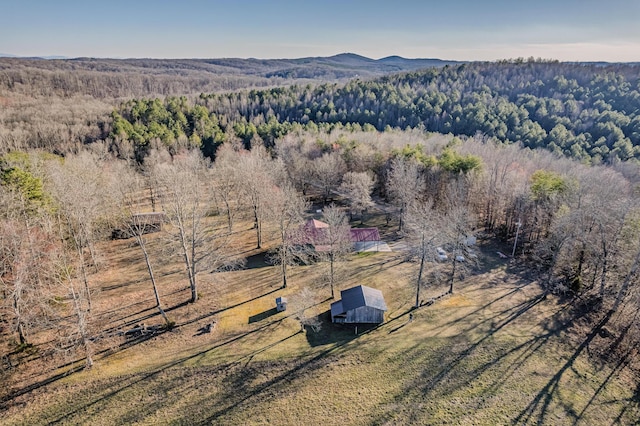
359 305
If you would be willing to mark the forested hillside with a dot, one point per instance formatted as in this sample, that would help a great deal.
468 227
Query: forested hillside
59 105
588 112
116 78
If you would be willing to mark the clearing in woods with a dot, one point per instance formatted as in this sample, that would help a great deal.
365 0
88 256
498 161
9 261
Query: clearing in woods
497 351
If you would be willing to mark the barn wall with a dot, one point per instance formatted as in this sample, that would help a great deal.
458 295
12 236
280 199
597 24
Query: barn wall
365 315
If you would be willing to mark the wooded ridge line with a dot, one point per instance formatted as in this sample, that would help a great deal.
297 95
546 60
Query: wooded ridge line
585 111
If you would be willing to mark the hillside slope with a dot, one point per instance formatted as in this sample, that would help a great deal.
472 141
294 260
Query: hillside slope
147 77
496 352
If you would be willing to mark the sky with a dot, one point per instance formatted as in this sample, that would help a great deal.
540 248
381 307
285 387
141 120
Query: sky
567 30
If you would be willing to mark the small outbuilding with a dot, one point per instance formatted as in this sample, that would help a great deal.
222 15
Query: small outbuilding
359 305
281 304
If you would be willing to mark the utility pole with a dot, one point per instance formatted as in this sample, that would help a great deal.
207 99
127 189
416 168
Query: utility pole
519 224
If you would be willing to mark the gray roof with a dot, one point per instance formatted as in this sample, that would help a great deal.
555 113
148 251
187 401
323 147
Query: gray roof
361 295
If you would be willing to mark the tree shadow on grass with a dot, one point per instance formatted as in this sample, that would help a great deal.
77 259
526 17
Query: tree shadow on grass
441 373
537 409
332 334
157 372
258 260
262 315
539 405
148 313
235 400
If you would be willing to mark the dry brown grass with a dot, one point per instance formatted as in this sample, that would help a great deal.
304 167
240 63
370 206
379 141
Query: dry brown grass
494 352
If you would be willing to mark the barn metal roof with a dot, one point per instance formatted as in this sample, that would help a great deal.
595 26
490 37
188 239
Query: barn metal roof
364 234
361 295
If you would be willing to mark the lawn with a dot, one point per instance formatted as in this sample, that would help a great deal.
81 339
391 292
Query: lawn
497 351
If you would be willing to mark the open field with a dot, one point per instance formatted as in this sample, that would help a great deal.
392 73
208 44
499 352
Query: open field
497 351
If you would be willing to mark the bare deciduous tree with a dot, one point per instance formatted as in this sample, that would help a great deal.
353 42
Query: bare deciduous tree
357 187
198 239
257 175
77 185
225 181
74 331
328 171
296 157
336 241
130 186
457 226
300 303
25 270
286 209
404 184
423 233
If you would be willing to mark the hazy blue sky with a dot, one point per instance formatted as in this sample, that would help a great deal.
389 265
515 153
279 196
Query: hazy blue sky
569 30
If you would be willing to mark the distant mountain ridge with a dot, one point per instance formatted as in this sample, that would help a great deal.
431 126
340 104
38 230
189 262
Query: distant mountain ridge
134 77
9 55
340 66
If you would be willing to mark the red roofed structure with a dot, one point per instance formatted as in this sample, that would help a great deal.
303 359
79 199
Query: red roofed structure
360 235
314 233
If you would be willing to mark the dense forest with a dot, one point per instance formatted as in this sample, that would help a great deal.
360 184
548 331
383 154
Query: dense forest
60 105
587 112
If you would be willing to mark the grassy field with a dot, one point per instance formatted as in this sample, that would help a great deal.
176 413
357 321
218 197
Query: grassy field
497 351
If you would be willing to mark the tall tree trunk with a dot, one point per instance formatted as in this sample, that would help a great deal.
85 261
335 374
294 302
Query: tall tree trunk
453 273
628 280
82 327
192 266
156 294
578 277
187 263
257 225
78 246
422 259
284 272
331 272
259 232
18 314
153 198
229 218
603 277
85 278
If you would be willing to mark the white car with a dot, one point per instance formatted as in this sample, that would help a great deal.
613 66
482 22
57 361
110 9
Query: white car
442 255
460 258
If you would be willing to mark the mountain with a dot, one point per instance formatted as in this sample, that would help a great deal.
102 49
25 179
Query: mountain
350 59
8 55
341 66
145 76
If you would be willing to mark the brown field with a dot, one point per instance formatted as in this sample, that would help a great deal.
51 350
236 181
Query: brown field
497 351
